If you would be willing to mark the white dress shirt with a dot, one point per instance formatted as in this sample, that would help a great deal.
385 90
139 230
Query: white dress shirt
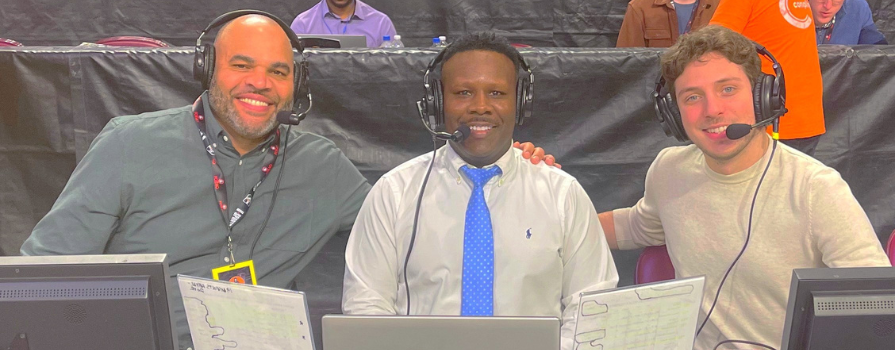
548 243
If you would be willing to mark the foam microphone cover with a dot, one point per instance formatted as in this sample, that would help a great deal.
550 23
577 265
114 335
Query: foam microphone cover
462 133
737 131
286 117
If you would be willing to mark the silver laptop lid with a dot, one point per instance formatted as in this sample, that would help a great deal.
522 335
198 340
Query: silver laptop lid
345 40
341 332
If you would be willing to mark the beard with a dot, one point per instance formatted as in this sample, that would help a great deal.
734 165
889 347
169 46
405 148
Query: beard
226 113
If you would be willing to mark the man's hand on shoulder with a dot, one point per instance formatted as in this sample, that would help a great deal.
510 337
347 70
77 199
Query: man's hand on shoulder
536 154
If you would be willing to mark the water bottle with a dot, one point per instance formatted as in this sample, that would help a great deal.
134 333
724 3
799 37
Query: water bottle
398 44
443 41
386 42
436 42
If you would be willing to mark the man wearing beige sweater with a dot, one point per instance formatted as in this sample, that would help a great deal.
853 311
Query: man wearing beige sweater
746 204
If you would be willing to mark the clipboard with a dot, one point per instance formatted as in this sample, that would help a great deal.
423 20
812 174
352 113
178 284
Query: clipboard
660 315
224 315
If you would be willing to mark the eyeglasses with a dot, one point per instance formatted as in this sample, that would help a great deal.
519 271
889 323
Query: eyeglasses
829 3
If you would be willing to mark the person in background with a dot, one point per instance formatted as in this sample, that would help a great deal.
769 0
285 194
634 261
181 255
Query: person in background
658 23
845 22
785 28
352 17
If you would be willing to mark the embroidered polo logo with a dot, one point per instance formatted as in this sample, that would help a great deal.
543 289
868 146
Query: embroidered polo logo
528 233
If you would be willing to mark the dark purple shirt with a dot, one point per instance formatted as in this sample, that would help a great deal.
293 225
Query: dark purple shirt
366 21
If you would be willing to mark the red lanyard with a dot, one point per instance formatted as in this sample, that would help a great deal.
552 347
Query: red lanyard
828 33
220 191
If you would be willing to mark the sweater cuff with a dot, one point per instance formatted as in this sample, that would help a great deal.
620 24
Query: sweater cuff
621 218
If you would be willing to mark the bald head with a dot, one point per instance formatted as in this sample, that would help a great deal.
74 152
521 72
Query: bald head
252 27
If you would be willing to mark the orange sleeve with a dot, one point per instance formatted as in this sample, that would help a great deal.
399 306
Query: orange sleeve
733 14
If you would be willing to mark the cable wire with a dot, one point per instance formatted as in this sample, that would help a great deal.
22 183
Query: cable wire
273 199
416 218
744 342
746 244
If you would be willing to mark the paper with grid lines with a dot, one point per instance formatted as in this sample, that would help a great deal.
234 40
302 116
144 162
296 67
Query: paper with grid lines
224 315
659 316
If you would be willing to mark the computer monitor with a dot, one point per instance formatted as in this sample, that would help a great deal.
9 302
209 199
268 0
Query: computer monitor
97 302
841 308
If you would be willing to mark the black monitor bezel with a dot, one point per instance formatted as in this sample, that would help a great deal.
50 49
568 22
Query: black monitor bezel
102 267
807 281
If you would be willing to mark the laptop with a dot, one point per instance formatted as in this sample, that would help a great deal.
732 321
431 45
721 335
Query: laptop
345 40
342 332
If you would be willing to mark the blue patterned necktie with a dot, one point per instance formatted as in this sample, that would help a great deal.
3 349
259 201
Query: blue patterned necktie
478 248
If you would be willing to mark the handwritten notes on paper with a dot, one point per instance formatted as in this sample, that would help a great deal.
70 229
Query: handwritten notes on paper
658 316
224 315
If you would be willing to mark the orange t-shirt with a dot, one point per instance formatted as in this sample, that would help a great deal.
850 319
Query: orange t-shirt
786 29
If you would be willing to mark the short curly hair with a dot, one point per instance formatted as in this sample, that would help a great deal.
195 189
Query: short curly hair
485 41
690 47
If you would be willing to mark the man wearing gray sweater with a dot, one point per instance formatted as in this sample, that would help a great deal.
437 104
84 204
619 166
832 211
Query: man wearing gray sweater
725 195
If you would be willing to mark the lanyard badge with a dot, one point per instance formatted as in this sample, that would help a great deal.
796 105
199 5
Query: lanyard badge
244 270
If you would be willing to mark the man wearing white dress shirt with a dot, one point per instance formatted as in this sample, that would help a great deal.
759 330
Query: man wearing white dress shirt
496 235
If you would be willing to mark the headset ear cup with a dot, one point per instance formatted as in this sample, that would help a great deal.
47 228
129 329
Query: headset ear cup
677 126
768 108
775 100
301 89
761 98
438 92
520 101
669 118
769 94
198 63
778 94
427 102
208 72
523 99
667 113
756 99
297 77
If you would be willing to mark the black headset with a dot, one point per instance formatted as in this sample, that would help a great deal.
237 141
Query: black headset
431 107
768 97
203 65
